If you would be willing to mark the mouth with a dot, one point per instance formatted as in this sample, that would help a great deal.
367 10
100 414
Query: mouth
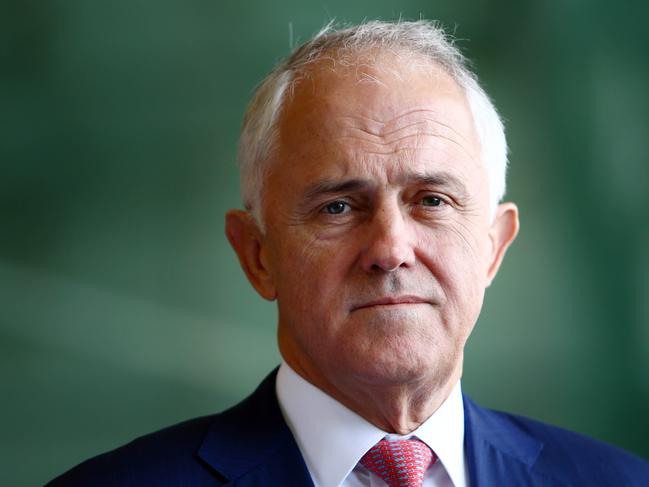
391 301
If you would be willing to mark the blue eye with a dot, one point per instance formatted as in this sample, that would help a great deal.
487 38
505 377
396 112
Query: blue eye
335 208
431 201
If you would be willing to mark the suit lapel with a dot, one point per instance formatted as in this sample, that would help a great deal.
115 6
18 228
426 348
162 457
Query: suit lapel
499 453
251 444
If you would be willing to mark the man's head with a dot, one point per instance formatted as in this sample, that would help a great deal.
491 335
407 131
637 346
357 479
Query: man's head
380 230
416 41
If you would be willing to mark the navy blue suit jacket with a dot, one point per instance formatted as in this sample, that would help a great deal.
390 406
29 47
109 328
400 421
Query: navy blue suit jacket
251 445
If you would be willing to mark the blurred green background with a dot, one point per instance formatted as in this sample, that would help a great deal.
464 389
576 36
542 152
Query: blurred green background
122 307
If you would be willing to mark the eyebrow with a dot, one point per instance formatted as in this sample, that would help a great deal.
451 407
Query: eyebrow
439 179
335 186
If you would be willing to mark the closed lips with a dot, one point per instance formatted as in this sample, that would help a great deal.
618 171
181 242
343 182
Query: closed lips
393 301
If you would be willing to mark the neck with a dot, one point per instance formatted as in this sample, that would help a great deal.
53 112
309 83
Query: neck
394 408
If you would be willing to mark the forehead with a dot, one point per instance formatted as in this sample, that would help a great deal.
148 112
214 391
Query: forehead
382 113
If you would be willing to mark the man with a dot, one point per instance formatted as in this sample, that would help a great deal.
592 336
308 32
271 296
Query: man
372 169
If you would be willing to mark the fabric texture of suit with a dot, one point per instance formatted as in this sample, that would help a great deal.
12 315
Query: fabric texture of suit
251 445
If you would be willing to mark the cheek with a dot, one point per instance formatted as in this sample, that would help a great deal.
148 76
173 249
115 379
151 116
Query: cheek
309 271
459 259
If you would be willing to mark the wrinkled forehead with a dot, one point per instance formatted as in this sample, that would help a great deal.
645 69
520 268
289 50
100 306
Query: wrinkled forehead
375 92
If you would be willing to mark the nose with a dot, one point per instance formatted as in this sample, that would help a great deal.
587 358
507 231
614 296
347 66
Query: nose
389 243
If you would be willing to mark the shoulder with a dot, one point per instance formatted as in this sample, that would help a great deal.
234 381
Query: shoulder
170 452
188 453
556 452
561 446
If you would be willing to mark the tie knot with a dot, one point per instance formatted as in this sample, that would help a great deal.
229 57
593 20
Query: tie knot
399 463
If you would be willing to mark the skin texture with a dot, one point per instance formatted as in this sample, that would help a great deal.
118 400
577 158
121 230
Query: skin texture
379 241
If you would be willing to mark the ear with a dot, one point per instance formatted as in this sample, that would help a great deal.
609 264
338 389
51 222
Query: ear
502 233
248 242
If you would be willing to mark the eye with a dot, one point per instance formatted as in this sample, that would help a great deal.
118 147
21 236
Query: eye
335 208
431 200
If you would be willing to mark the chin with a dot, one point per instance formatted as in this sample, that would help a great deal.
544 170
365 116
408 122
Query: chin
404 366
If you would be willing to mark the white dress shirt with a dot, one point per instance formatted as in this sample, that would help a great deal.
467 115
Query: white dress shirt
332 438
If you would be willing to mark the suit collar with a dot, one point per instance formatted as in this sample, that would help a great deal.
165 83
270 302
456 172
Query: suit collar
500 451
250 444
484 427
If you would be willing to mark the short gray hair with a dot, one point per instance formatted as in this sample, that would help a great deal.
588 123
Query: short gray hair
259 133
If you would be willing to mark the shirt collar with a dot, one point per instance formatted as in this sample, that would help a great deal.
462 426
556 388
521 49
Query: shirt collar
332 438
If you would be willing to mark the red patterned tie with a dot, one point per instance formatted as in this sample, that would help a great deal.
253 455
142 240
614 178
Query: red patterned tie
399 463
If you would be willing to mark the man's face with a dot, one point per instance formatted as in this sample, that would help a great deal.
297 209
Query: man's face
377 243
